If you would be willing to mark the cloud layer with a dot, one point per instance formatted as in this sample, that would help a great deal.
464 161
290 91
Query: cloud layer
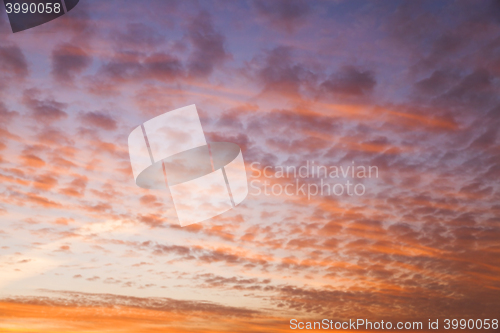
411 88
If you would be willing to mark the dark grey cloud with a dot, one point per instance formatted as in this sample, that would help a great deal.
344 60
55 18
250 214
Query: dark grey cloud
69 60
475 89
13 65
208 50
45 110
12 60
437 83
283 14
162 66
351 82
99 119
280 72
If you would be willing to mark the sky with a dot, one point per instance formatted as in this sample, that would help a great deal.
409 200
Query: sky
409 87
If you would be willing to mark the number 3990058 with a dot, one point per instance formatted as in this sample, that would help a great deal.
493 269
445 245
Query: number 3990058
470 324
41 8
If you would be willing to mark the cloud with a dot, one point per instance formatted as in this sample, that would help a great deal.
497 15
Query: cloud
46 110
45 182
70 299
411 89
69 60
474 90
149 200
32 160
238 283
39 200
350 82
153 220
12 61
133 314
99 119
6 116
77 187
283 14
162 66
279 72
126 66
208 49
436 84
139 34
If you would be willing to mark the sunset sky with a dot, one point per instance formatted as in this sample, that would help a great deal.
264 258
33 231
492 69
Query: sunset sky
411 87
